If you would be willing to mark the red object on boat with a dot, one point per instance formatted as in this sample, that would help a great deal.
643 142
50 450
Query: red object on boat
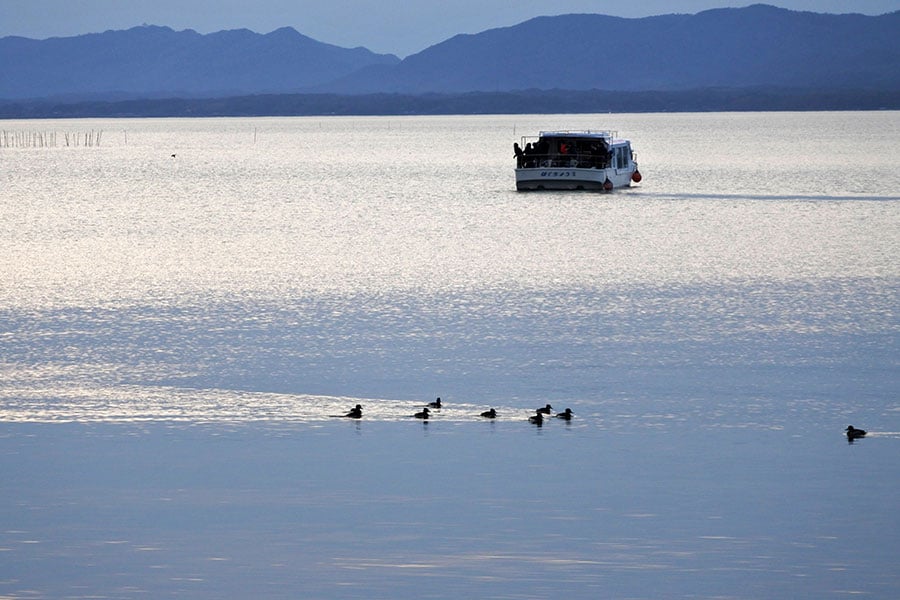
636 176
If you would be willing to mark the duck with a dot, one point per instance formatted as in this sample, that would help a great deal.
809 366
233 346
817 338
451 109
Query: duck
854 434
546 410
537 418
567 415
435 404
355 412
423 414
489 414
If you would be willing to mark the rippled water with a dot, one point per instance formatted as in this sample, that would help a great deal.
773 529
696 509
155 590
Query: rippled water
195 297
391 258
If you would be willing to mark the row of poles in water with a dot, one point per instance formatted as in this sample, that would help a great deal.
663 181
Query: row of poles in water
49 139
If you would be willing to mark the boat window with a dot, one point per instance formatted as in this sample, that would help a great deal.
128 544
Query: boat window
621 157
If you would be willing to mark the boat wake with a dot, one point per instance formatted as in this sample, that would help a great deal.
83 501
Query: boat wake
135 403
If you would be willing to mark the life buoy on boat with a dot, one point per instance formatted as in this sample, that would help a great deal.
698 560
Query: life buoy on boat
607 185
636 176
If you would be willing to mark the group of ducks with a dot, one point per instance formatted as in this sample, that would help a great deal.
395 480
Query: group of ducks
537 418
539 415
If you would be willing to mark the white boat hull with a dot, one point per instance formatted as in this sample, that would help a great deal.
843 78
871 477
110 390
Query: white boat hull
566 178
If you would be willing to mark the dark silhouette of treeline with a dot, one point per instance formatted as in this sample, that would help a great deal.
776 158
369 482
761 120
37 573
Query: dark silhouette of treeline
522 102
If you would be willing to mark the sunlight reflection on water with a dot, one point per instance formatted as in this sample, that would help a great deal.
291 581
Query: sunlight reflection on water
177 331
367 205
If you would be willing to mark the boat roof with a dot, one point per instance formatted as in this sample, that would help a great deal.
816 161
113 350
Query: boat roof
607 135
584 133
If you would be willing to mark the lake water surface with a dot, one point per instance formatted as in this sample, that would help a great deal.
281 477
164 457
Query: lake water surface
184 306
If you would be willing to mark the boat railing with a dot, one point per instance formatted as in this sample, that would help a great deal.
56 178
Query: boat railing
604 133
563 161
607 135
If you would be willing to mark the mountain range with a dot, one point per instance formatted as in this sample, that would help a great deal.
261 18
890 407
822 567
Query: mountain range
752 46
748 47
151 61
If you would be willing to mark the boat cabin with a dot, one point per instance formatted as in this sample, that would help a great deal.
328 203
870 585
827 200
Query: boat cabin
578 149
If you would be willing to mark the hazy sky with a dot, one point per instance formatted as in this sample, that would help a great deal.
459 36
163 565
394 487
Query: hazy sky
401 27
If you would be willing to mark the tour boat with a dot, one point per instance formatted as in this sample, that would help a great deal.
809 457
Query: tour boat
575 160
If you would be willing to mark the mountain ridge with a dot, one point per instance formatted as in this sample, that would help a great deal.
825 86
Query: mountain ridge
751 47
153 61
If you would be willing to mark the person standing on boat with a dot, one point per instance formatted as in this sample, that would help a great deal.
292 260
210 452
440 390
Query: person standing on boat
528 152
520 155
601 151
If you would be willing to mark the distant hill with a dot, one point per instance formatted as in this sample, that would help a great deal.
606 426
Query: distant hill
758 47
154 61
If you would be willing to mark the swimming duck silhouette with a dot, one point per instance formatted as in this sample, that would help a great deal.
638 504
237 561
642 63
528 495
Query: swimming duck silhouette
538 418
854 434
355 412
546 410
489 414
423 414
435 404
567 414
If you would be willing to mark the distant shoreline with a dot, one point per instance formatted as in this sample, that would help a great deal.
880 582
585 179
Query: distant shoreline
473 103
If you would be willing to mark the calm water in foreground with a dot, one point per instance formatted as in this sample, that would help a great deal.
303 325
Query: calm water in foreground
184 306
